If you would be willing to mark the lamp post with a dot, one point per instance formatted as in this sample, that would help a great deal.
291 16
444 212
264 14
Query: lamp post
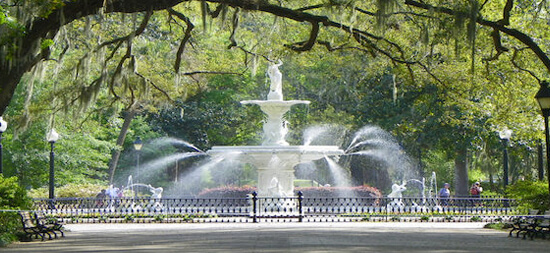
505 137
137 146
52 137
3 126
543 98
540 160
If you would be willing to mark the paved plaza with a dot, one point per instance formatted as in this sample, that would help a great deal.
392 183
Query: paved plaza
283 237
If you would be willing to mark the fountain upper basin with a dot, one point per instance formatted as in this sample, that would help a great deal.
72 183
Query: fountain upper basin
261 155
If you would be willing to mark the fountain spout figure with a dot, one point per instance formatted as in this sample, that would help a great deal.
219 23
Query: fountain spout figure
276 87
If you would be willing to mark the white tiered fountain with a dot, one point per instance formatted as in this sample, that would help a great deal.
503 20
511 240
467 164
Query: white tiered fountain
275 158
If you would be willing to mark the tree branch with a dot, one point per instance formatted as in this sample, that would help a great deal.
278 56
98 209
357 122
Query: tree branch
307 45
155 86
209 72
522 37
513 60
235 25
506 12
185 39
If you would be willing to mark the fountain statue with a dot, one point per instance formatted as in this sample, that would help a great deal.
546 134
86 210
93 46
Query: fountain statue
276 87
156 193
275 158
397 191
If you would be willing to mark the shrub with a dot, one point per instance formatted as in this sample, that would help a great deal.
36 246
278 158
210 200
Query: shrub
227 192
498 226
475 218
364 191
85 190
309 192
12 197
531 194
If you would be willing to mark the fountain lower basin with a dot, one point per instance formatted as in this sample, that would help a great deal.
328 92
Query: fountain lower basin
275 164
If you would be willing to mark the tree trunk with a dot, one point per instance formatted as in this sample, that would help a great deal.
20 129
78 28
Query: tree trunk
461 172
128 117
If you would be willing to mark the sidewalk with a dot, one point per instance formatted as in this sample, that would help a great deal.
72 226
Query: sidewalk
283 237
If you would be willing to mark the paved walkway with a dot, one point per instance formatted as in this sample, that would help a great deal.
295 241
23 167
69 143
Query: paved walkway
283 237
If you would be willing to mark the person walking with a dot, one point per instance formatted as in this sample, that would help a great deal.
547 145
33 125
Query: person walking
445 194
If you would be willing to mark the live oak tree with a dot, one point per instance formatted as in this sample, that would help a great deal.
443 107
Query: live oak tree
29 25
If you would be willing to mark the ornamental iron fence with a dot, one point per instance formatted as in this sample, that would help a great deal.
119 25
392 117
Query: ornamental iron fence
255 208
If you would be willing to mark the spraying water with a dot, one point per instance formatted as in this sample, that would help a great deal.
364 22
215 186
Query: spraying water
174 142
324 135
153 168
341 176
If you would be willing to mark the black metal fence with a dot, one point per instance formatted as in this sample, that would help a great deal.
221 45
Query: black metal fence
268 209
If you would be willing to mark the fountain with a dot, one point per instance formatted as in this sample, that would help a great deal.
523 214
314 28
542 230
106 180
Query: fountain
275 158
396 195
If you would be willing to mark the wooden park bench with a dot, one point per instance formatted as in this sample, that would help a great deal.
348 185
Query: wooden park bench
523 224
49 223
541 227
36 224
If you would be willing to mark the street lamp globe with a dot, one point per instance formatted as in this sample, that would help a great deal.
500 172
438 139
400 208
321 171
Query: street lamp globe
505 134
543 97
52 136
138 144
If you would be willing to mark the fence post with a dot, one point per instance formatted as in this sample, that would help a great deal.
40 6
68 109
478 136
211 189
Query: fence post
300 212
254 203
385 206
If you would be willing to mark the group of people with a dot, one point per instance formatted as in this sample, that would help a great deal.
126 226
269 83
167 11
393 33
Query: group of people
112 193
445 192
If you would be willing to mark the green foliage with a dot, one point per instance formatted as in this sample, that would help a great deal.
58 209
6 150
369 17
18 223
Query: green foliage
10 30
213 117
84 190
498 226
438 162
12 197
475 219
45 7
46 43
531 194
81 154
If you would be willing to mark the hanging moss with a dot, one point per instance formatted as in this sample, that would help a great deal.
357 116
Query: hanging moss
385 7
